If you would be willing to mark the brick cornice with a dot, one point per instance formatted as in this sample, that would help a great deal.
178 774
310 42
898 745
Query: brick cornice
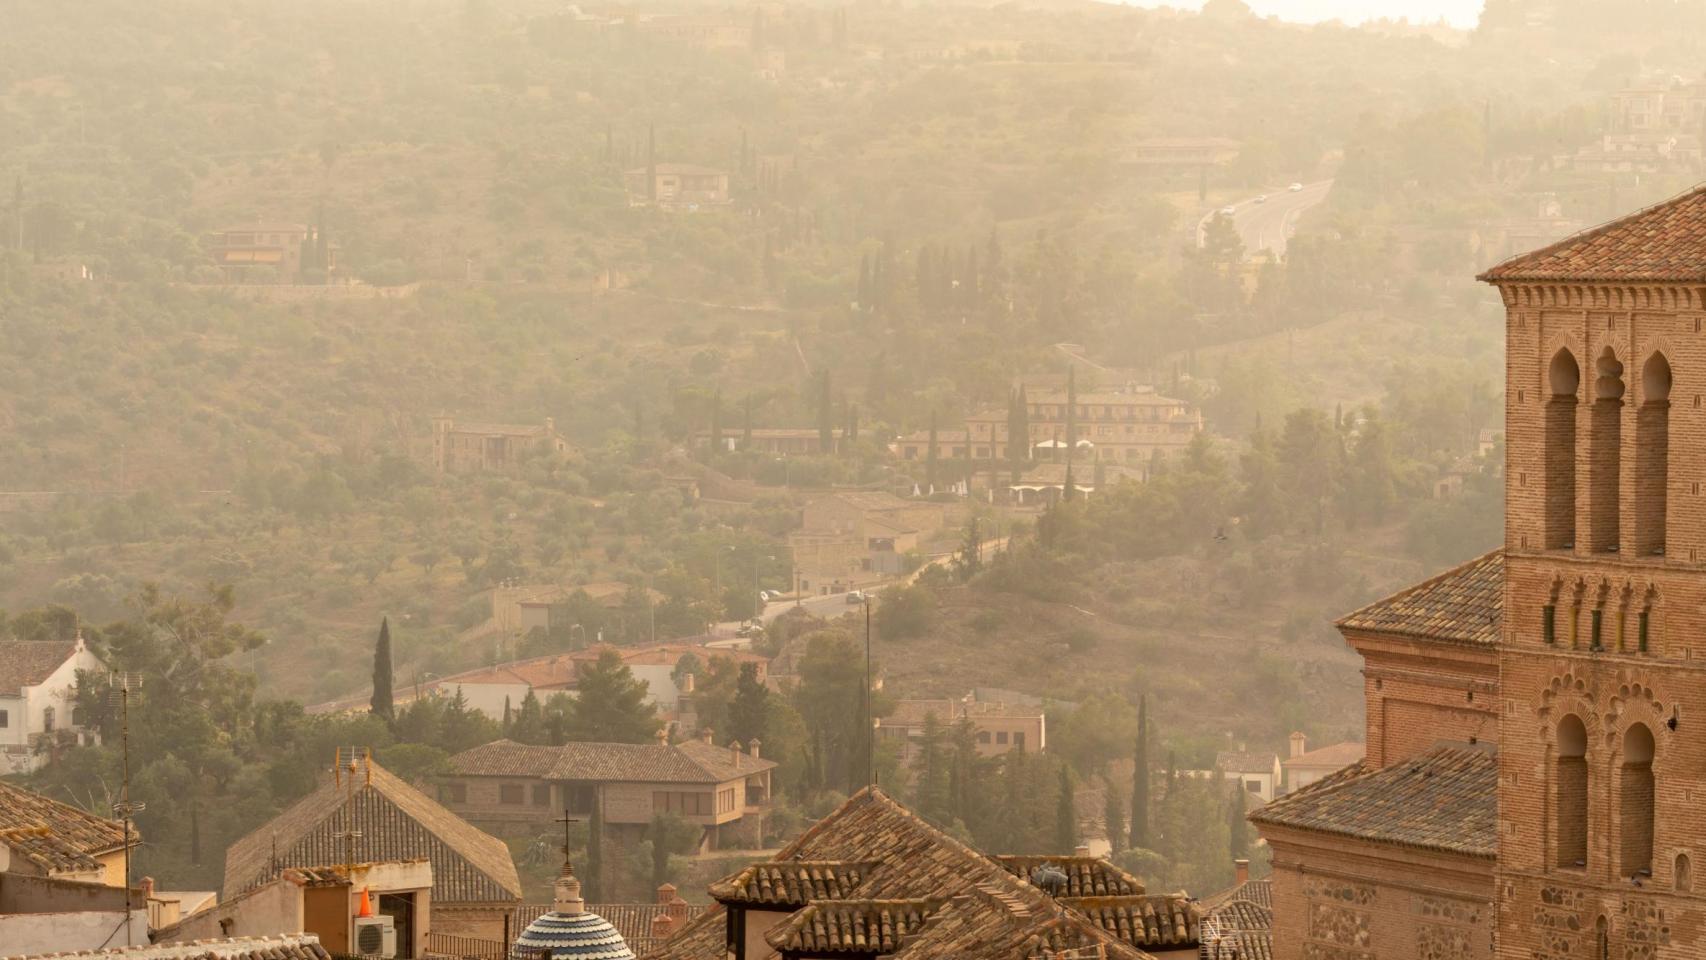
1589 294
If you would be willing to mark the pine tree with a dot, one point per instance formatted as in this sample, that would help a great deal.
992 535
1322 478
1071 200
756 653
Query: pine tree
1113 814
1065 814
384 678
1140 778
750 706
933 771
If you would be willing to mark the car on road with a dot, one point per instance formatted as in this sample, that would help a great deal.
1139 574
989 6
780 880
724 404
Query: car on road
1262 199
1296 188
856 597
1230 211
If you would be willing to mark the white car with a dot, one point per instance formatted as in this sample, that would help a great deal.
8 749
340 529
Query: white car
1296 188
855 597
1262 199
1228 211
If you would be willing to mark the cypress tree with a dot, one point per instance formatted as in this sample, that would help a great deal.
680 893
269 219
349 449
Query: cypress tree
383 704
1140 778
595 850
1236 828
852 424
715 447
652 164
1113 815
930 456
1065 814
1071 415
825 415
1068 490
746 425
1016 439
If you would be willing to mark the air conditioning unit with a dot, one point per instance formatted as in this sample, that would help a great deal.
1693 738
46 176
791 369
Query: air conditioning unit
375 937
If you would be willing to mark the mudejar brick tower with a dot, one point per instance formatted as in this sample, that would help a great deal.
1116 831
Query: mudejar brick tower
1602 659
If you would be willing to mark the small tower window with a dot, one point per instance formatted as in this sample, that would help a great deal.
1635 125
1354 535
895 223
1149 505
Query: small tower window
1549 623
1598 625
1570 795
1564 379
1641 630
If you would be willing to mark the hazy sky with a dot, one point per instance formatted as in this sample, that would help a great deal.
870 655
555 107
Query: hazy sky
1462 13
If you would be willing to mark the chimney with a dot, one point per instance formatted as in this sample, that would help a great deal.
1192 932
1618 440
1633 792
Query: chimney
752 747
1240 872
666 893
734 753
662 926
1081 851
147 886
678 909
705 735
1299 744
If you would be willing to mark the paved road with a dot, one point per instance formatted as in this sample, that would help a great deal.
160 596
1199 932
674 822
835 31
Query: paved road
1268 225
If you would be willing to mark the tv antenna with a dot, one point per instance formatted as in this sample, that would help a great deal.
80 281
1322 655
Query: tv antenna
119 686
344 771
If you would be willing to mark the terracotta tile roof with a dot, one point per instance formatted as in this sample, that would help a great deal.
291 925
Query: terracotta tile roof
1146 922
1240 761
690 762
1664 242
1462 605
1333 757
1258 892
288 946
1443 799
57 836
26 663
397 822
851 926
792 882
1242 915
1237 945
994 912
1085 876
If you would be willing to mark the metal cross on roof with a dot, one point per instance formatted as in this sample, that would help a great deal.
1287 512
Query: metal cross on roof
565 820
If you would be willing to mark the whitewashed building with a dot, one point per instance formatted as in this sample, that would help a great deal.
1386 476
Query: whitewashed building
38 683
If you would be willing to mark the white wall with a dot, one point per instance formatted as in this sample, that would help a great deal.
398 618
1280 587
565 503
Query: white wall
488 698
27 934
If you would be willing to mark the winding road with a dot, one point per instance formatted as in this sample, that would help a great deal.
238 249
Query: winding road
1268 224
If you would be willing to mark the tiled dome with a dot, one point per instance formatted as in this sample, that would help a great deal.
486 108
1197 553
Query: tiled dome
569 931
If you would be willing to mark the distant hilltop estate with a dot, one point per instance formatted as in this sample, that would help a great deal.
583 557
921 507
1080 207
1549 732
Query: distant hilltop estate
1559 816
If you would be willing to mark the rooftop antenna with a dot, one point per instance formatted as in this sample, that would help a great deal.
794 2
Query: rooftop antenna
119 686
346 764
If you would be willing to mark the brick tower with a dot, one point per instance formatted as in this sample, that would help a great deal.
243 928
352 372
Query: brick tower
1602 747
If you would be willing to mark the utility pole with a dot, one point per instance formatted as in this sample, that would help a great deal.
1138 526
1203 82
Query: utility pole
870 719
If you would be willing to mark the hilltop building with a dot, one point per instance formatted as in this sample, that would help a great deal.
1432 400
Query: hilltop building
873 880
855 538
777 441
38 681
1557 818
725 791
268 251
999 727
474 882
677 186
1133 427
491 447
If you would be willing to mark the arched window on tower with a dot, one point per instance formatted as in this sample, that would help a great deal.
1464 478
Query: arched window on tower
1652 457
1683 878
1605 468
1563 379
1635 806
1570 806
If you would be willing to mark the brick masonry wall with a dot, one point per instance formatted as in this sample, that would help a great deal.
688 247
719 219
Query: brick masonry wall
1549 911
1340 899
1418 693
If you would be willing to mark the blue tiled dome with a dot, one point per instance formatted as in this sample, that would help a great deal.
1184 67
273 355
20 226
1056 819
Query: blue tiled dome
569 931
583 936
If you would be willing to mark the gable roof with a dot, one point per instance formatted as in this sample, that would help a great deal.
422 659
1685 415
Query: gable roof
1464 605
288 946
1664 242
692 761
1443 800
1244 761
26 663
1332 757
397 822
851 926
872 849
56 836
1085 876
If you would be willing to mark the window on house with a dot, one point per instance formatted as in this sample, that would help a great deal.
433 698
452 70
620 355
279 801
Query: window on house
5 719
458 793
1252 786
982 735
1001 736
1019 741
47 719
541 794
510 793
